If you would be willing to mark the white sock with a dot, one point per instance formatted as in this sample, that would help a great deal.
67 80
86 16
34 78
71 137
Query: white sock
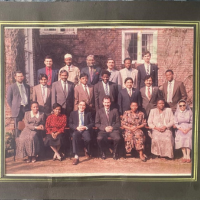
76 156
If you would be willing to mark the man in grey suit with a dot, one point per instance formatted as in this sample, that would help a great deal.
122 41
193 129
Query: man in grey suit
42 94
115 75
149 95
173 91
147 69
84 92
108 122
63 93
18 98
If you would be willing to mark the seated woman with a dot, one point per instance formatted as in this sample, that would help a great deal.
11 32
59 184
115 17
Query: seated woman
161 120
133 120
28 143
55 127
183 123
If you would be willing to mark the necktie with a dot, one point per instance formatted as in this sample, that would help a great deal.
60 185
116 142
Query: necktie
147 69
23 95
149 93
170 92
129 92
107 114
48 75
86 92
65 89
81 118
106 89
90 71
43 94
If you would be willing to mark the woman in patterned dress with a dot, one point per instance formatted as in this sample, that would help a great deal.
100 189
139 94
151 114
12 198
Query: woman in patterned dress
28 143
132 121
55 127
183 123
161 120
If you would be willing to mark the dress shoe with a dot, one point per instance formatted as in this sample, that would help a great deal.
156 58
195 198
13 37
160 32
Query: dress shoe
60 159
115 156
75 161
103 156
87 155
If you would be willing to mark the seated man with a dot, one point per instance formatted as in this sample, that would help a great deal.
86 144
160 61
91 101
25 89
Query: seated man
108 122
81 123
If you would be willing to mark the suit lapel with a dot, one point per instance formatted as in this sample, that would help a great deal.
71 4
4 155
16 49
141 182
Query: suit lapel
144 70
61 88
165 89
104 114
91 92
40 92
102 88
144 93
175 88
112 76
110 117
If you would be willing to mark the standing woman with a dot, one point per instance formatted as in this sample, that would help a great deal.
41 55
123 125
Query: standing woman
161 120
55 127
132 121
28 143
183 123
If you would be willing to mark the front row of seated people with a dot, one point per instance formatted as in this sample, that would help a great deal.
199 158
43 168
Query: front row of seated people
160 121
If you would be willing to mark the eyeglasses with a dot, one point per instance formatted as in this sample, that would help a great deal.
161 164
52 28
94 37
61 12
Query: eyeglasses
181 106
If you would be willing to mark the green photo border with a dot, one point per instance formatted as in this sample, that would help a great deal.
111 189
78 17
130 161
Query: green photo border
98 23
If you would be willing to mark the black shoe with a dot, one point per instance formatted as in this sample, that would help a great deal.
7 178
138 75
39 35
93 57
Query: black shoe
103 156
115 156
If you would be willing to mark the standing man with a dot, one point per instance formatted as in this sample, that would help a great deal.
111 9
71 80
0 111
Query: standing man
127 96
51 73
115 76
147 69
63 93
108 122
73 71
18 98
103 88
81 122
150 94
128 71
84 92
173 91
42 94
92 71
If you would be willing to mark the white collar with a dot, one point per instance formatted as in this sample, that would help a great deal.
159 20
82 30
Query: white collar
37 115
64 82
79 112
45 86
171 81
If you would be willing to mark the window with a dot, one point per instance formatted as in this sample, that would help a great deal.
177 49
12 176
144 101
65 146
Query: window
135 42
58 31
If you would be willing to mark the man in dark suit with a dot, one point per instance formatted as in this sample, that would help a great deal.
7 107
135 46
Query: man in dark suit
84 92
92 71
147 69
51 73
149 94
81 123
105 87
63 93
173 91
18 98
108 122
42 94
128 95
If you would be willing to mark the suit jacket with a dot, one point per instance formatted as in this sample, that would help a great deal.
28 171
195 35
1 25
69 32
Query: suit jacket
54 74
142 74
14 98
80 95
115 77
150 104
179 93
101 121
134 77
74 120
124 100
99 94
96 75
58 96
74 74
37 96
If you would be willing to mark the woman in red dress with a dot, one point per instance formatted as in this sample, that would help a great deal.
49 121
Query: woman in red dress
55 126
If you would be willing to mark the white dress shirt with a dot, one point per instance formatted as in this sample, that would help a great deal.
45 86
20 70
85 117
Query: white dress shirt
146 92
23 101
129 90
147 67
86 88
172 89
62 82
45 92
108 88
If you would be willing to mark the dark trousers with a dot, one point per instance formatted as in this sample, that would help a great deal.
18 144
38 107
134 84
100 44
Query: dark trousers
76 136
20 117
102 140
